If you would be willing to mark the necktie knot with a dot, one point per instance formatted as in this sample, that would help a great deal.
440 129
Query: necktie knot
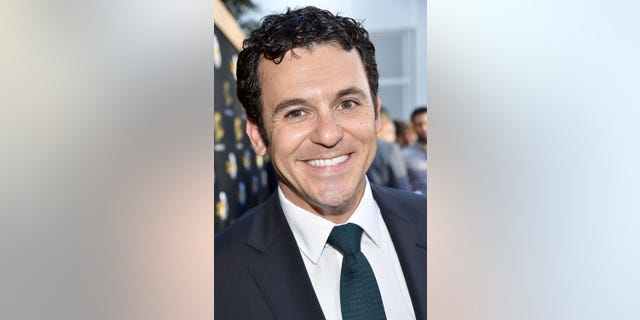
346 238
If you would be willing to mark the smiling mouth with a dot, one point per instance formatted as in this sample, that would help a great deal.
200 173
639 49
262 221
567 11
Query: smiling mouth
328 162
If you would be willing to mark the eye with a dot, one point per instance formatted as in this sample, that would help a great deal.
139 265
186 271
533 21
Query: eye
347 104
294 114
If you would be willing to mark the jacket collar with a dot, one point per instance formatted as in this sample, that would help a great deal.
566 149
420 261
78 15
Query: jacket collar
280 273
409 235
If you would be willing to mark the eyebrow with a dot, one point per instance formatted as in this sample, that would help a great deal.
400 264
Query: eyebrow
289 102
350 91
298 101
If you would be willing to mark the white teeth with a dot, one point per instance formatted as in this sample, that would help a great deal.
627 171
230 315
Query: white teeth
327 162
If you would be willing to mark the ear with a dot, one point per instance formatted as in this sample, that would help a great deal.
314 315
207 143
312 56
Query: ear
378 121
256 139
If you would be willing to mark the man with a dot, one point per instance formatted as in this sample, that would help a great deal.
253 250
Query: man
327 244
387 126
415 154
405 134
388 167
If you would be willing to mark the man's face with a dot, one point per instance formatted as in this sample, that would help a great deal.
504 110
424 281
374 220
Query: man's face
388 131
420 125
319 117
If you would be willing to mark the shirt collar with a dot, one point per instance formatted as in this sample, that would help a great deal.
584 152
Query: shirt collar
312 231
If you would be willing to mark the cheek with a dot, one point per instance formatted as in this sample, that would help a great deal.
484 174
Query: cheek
368 127
296 135
290 135
285 140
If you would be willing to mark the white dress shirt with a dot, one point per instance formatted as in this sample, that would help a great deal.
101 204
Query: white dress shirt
324 263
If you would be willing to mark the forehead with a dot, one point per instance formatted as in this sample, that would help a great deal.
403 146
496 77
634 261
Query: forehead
421 117
321 67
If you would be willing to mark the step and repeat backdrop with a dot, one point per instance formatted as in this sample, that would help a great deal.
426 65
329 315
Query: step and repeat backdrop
242 179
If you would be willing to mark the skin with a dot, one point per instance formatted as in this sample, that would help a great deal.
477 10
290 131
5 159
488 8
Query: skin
420 125
322 126
388 131
407 135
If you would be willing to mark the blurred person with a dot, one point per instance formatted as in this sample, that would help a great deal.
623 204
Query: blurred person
405 134
388 167
387 127
415 154
327 244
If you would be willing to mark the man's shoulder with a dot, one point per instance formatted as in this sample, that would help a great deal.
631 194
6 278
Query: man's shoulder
402 209
237 233
410 148
399 199
386 146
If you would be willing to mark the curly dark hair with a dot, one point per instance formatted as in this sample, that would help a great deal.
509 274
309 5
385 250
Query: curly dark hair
300 28
418 111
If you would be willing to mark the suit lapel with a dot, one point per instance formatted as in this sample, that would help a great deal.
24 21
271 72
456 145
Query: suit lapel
279 271
411 246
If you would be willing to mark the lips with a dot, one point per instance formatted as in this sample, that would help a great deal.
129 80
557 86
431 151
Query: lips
328 162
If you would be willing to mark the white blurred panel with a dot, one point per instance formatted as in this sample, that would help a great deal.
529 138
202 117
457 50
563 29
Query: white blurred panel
533 162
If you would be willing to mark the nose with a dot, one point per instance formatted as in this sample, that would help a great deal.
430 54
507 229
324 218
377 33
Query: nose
327 131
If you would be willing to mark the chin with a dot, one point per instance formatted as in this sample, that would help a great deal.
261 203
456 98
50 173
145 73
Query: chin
334 199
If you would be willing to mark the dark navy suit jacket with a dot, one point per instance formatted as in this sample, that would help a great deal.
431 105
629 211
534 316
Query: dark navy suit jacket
259 272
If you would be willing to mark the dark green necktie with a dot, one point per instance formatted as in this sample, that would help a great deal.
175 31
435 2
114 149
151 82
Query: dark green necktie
359 293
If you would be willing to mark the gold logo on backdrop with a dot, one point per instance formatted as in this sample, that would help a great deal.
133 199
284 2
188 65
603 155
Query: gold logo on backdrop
259 161
217 56
242 194
226 92
232 65
218 129
232 166
222 206
237 128
246 159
